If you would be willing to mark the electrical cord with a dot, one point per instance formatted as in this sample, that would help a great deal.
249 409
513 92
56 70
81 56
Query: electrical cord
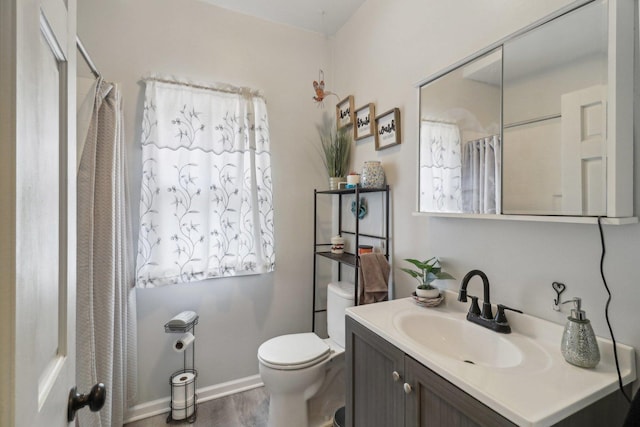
606 310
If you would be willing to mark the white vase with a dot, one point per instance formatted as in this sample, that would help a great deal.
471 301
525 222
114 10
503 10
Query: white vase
428 293
372 175
334 182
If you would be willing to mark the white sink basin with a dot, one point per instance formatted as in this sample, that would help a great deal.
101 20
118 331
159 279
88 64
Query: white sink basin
459 339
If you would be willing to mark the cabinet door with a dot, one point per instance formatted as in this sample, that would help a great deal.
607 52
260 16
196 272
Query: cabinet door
375 396
435 402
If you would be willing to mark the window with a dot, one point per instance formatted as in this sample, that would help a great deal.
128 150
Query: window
206 205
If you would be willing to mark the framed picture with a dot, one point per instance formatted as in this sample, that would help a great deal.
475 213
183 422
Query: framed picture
388 129
344 112
365 120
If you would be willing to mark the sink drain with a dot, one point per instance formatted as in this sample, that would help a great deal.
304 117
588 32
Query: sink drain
471 362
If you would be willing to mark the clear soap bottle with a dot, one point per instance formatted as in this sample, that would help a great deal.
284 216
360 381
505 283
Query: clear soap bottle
579 345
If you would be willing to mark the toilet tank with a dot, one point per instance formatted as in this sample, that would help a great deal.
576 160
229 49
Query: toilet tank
340 295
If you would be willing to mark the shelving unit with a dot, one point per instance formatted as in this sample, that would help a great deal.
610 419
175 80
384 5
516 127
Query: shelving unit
189 364
346 258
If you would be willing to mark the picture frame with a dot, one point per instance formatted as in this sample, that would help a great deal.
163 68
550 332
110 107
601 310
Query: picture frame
365 118
344 112
388 129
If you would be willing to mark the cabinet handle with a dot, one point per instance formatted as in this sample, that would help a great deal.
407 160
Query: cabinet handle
407 388
396 376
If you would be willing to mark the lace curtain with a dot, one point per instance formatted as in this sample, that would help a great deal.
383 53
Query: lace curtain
206 205
440 167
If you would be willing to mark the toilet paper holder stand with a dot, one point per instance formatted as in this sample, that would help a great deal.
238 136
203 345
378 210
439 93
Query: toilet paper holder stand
188 411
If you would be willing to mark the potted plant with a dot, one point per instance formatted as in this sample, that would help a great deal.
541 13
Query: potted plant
336 148
429 271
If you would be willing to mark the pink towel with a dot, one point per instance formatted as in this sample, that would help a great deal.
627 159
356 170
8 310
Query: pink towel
374 278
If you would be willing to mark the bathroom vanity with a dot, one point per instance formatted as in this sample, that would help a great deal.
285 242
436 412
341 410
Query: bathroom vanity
414 366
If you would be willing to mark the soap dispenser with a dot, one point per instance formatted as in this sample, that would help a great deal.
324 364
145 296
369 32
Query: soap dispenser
579 345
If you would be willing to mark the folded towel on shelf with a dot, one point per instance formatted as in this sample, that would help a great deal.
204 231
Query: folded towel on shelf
374 278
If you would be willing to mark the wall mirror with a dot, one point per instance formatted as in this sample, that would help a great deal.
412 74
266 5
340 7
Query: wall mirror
460 138
539 123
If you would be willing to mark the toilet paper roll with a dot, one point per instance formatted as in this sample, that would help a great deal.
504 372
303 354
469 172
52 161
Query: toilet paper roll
182 343
180 411
183 389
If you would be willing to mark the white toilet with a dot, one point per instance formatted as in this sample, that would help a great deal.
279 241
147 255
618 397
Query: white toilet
304 374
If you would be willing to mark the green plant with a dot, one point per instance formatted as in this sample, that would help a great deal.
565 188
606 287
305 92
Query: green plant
430 270
336 147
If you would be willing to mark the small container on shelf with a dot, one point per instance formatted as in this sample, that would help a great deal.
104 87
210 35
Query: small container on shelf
337 245
365 249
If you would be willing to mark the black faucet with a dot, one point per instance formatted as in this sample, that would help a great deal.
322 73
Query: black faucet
485 317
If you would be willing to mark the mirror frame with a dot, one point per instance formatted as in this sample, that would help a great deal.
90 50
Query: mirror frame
620 76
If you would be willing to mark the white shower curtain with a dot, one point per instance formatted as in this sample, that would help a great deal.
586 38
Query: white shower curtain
105 323
481 190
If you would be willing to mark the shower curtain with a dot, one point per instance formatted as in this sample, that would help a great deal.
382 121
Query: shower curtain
105 322
481 191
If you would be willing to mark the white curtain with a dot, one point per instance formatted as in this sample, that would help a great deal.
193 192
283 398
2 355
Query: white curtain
481 191
206 200
106 319
440 167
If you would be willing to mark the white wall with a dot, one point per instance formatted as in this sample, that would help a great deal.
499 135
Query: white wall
400 43
190 39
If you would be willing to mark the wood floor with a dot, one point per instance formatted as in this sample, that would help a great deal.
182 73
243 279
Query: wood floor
247 409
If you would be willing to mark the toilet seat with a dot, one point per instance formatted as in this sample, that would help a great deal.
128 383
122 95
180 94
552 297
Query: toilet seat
293 351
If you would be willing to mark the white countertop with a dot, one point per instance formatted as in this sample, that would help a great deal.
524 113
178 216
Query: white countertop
539 392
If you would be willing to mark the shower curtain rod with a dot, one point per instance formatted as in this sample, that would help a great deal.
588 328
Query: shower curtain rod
226 89
87 58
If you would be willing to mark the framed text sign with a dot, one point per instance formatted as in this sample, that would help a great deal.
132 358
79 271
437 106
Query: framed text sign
388 129
365 120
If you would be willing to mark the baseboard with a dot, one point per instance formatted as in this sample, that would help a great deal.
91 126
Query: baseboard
161 406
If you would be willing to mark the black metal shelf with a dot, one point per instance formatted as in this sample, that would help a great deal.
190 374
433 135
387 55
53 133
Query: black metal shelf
346 258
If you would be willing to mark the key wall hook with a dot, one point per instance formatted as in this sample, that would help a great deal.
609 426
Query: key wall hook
559 288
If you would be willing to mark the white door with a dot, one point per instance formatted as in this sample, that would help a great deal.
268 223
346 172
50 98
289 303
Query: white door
37 217
584 151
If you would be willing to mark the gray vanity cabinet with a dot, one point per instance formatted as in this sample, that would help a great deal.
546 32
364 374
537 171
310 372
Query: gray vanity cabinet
387 388
375 397
433 401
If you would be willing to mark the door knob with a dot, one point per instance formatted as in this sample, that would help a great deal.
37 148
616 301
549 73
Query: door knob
407 388
396 376
95 399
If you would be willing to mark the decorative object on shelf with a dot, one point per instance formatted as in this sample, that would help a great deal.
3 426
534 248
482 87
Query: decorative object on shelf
336 148
365 249
344 112
372 175
428 302
365 119
362 210
353 179
337 245
388 129
430 270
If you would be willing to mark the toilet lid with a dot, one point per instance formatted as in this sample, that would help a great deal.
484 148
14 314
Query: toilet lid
293 351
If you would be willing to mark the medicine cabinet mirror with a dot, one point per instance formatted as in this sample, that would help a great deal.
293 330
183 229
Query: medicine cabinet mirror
539 123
